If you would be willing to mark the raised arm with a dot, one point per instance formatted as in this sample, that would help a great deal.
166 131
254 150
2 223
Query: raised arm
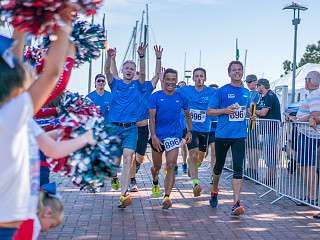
142 71
158 52
111 60
41 89
18 46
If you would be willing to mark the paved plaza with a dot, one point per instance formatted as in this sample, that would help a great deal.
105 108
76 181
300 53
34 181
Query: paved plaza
96 216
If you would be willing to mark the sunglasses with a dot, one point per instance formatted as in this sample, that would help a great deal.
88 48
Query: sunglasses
101 81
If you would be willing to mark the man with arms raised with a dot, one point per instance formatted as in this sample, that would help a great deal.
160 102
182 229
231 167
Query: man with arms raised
123 112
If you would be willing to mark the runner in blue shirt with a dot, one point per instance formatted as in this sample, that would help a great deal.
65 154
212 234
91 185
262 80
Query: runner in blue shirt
143 120
123 114
198 97
100 97
165 108
231 105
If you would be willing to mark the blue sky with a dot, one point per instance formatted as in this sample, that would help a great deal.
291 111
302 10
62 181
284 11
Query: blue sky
210 26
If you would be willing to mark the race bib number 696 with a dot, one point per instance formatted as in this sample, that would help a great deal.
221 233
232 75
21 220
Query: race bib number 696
239 115
171 143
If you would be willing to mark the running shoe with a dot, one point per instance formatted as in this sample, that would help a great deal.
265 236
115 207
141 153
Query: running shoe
115 183
155 191
124 201
237 209
133 185
214 200
176 170
196 187
184 168
166 203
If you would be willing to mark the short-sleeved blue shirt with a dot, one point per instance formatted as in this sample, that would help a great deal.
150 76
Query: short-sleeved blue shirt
143 107
228 126
102 101
198 104
168 113
125 100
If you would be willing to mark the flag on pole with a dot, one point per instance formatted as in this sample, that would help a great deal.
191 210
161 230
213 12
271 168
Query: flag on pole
237 50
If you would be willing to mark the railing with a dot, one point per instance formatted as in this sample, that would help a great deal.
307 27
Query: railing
285 158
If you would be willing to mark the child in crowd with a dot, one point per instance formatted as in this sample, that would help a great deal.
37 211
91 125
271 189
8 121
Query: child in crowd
17 106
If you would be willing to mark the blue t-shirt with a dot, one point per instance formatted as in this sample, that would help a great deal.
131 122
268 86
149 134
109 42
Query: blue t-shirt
183 123
143 107
168 113
125 100
198 103
231 126
102 101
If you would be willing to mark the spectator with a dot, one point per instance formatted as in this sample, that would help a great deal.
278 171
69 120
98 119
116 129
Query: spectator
308 138
253 146
100 96
268 107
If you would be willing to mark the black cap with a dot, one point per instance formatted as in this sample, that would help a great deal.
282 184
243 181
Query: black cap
100 75
251 78
264 82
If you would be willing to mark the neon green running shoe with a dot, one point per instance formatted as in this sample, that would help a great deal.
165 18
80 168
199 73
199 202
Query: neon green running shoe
156 191
115 184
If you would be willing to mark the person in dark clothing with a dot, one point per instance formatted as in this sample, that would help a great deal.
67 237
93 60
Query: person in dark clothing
268 107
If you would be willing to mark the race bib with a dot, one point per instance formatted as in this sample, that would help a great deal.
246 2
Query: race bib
239 115
198 115
171 143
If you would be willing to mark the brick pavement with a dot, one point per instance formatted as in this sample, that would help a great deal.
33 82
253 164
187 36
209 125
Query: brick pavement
96 216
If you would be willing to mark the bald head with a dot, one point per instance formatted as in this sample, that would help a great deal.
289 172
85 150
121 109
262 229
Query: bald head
314 77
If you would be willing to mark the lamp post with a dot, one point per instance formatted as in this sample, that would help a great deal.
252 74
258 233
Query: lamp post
295 22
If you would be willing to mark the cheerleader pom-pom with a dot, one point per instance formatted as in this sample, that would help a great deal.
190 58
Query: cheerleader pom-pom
90 7
41 16
34 56
34 16
91 164
89 39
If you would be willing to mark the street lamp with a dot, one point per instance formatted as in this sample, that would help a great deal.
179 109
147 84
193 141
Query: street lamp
295 22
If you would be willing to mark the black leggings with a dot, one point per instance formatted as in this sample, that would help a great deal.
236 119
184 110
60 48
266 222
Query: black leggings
222 146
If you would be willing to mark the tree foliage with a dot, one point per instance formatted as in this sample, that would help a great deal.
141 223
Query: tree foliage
311 55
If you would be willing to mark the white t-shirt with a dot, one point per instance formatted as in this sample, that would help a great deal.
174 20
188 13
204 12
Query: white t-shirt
34 132
309 105
14 158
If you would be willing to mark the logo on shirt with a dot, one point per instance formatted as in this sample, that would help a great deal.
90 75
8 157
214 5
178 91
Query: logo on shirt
177 101
161 99
231 95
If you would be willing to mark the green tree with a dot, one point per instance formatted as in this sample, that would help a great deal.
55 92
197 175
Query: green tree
311 55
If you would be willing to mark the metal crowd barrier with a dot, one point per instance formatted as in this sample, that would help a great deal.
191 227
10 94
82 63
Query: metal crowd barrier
285 158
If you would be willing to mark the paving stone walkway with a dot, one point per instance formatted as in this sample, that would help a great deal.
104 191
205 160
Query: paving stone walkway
96 216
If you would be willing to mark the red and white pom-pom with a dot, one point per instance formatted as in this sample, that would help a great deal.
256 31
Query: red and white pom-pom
41 16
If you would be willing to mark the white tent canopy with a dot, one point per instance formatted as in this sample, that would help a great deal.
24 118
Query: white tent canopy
300 77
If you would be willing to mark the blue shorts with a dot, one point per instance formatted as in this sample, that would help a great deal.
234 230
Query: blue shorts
307 150
128 136
7 233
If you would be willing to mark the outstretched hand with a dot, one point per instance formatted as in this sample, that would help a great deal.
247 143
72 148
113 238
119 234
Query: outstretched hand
142 49
112 52
158 51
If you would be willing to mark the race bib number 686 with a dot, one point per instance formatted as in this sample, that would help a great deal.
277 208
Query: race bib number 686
171 143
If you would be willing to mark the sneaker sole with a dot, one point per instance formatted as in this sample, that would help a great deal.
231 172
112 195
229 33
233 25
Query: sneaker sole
238 212
197 191
134 190
166 205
